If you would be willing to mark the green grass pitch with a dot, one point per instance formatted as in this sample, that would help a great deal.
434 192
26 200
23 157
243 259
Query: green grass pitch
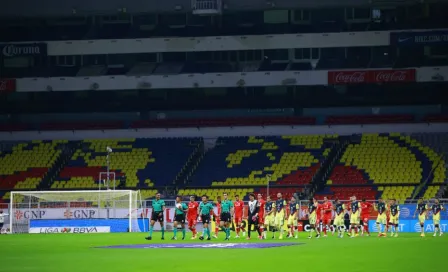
77 252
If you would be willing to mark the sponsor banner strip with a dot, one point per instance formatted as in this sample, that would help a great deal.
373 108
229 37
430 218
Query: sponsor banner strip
25 49
69 229
412 226
114 225
419 38
371 76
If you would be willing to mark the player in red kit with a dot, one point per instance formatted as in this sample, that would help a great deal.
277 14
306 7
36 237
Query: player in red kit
366 208
319 218
261 204
238 206
327 214
216 216
192 215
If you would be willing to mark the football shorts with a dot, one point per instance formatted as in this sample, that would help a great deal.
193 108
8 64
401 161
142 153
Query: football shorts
421 218
436 219
269 220
192 222
326 220
393 219
354 218
225 217
205 218
339 220
280 219
292 221
381 219
157 216
313 218
238 219
180 218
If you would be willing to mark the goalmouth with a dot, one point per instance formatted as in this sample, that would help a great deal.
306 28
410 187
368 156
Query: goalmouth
76 211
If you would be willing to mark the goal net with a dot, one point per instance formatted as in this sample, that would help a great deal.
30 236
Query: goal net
76 211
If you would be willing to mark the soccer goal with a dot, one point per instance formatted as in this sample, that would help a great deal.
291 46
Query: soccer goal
76 211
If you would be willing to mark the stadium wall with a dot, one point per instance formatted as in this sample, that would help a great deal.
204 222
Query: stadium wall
214 132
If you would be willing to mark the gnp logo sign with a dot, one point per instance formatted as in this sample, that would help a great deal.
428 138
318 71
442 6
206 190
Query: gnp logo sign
30 214
70 230
81 214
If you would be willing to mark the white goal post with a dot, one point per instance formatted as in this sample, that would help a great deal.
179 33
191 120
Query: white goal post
76 211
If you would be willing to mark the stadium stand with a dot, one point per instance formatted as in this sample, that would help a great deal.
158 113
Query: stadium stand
372 165
387 165
143 163
246 161
24 165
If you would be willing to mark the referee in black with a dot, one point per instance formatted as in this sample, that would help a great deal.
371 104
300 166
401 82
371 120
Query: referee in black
252 214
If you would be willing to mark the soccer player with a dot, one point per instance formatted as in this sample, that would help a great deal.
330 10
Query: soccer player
292 219
2 220
354 216
158 207
436 209
226 215
319 218
192 215
387 216
422 209
239 211
366 208
252 215
327 209
269 217
381 220
339 209
312 216
179 217
261 210
394 215
205 208
216 217
280 204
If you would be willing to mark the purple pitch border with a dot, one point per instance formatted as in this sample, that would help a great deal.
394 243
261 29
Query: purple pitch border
206 245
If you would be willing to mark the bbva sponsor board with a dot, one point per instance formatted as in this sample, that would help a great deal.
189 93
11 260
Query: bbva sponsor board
70 230
114 225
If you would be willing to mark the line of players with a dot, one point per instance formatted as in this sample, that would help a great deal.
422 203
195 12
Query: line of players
271 215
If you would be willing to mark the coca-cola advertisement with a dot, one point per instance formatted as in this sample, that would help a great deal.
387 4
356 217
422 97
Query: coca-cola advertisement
25 49
371 76
383 76
7 85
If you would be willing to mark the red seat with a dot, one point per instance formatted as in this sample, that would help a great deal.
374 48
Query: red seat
369 119
436 118
82 125
225 122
